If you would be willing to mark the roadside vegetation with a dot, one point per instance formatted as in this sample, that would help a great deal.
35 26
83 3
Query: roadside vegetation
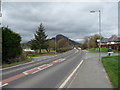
91 41
11 47
13 50
28 59
111 66
104 50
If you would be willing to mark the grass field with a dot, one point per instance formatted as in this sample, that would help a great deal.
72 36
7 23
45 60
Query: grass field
111 66
102 50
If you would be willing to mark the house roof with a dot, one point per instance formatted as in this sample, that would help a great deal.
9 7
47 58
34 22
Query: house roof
118 39
113 38
104 40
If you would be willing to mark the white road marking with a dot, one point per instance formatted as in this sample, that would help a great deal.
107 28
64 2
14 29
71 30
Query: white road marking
25 63
4 85
0 83
73 79
69 77
25 73
19 69
39 68
28 70
48 65
36 71
16 65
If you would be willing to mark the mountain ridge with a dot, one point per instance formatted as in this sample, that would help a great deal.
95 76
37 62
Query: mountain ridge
60 36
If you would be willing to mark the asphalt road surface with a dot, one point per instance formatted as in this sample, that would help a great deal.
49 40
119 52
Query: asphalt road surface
47 72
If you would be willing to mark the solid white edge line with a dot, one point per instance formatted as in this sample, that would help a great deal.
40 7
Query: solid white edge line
4 85
65 82
23 64
16 65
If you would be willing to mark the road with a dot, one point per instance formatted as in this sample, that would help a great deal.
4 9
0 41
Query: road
48 72
91 74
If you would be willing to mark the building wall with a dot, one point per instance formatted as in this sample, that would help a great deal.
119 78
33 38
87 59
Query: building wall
113 46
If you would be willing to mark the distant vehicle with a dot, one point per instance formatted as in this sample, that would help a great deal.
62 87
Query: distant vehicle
79 48
74 47
28 50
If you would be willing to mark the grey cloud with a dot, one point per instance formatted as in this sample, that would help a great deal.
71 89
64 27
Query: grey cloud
71 19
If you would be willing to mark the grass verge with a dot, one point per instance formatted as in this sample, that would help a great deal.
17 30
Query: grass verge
102 50
17 63
45 54
111 66
29 59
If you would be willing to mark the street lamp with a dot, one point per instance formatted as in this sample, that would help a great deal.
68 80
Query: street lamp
99 12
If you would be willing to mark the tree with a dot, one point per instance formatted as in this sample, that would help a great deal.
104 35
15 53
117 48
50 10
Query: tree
51 44
11 47
62 43
40 41
46 46
33 44
91 41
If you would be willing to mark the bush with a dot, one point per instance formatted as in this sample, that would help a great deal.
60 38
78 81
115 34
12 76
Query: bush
11 47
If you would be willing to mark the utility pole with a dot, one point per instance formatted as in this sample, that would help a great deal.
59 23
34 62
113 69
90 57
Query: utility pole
99 19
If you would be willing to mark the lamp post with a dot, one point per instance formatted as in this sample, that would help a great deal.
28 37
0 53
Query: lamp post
0 13
99 13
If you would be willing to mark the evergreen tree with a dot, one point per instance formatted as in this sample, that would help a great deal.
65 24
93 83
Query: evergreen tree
40 39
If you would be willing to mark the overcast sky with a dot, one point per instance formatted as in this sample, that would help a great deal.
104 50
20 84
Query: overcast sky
72 19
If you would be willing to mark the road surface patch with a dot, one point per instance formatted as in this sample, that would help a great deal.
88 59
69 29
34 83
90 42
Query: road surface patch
70 76
12 78
31 71
76 51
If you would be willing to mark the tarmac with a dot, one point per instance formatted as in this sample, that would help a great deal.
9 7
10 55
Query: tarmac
91 74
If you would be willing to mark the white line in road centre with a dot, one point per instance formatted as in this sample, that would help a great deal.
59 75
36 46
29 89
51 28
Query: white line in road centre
69 77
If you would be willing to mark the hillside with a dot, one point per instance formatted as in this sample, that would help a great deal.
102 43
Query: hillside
60 36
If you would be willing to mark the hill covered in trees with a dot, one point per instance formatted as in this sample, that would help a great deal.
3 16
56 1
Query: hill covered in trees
60 36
